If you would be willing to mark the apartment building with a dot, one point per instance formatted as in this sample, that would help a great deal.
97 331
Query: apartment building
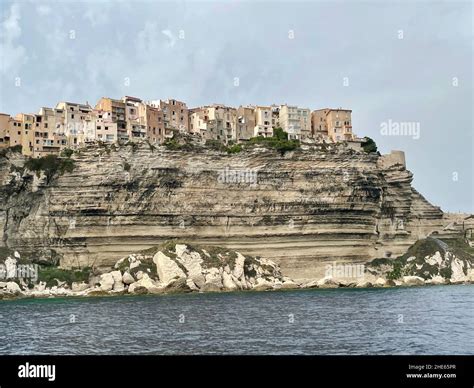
78 122
153 121
296 121
117 110
217 122
48 137
175 115
136 129
27 124
105 127
263 121
4 130
333 124
245 123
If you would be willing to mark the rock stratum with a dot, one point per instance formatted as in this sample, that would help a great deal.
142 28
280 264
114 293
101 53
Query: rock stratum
304 209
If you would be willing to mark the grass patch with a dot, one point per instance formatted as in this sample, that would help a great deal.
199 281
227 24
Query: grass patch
51 274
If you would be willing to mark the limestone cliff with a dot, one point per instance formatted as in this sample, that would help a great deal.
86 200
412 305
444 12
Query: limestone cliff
303 209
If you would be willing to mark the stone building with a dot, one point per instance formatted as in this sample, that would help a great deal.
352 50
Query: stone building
332 124
296 121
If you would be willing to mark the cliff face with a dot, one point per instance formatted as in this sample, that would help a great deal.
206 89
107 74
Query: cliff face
303 210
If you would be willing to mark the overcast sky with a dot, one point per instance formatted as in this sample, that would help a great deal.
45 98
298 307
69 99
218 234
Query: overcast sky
390 63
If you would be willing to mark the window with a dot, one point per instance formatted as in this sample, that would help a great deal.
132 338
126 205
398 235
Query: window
106 128
72 116
46 125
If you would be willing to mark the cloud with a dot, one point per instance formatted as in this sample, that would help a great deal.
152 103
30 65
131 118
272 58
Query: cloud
171 37
13 55
43 10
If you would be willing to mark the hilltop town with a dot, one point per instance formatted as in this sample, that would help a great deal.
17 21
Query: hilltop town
130 119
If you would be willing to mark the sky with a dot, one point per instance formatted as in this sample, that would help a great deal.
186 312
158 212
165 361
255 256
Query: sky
395 64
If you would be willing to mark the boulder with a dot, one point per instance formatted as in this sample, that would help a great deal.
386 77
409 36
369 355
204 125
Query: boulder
238 270
127 278
364 284
214 277
145 282
106 282
78 287
167 268
436 280
327 282
118 284
380 282
13 288
413 281
228 282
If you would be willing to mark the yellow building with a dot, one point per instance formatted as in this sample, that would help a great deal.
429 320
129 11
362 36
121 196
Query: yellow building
332 124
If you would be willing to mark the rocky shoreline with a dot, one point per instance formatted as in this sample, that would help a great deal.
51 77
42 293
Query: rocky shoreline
181 268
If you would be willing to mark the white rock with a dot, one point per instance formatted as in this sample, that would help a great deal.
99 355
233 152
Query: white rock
118 284
167 268
227 282
127 278
380 282
190 260
213 277
436 280
106 282
436 259
191 285
10 267
238 271
135 264
145 281
413 280
457 267
13 288
78 287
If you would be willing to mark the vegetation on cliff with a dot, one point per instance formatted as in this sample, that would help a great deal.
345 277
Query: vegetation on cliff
427 258
50 165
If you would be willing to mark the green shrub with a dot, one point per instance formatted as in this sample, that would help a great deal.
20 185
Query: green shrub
67 153
369 145
50 274
51 165
235 149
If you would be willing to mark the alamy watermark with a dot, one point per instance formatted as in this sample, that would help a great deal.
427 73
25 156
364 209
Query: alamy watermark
229 175
400 128
344 270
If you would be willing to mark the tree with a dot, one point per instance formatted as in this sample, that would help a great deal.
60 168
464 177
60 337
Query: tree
369 145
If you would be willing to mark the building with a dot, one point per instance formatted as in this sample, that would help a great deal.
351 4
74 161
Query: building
175 115
214 122
48 137
245 123
263 121
4 130
78 122
105 127
27 127
153 121
116 108
296 121
333 124
136 128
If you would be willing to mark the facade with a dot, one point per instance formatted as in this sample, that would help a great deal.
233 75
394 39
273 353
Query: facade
335 124
116 108
105 128
72 125
175 115
216 122
153 121
48 139
78 122
296 121
245 123
4 130
263 121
